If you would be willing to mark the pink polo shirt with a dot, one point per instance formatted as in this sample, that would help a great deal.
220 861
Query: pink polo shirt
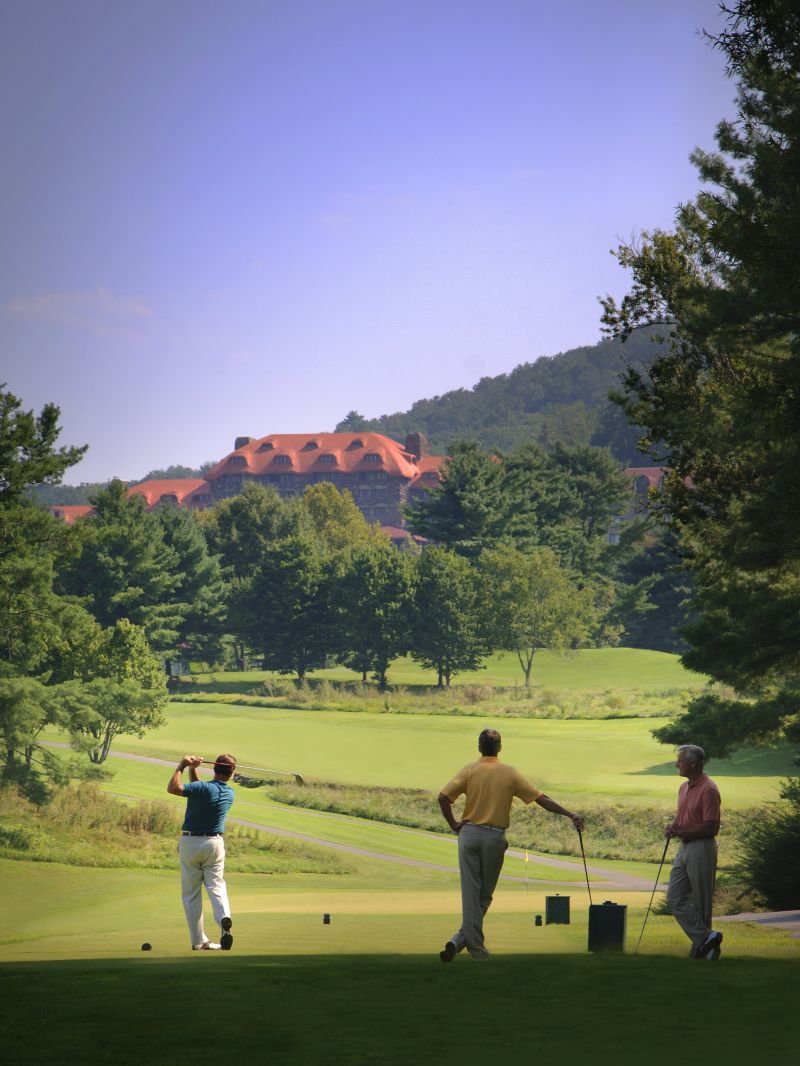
698 802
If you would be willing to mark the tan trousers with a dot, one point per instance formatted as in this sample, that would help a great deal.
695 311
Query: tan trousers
480 859
202 864
691 888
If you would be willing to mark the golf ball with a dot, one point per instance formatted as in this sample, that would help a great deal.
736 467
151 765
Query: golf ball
147 947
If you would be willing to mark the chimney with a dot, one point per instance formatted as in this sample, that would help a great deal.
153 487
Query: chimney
240 442
417 444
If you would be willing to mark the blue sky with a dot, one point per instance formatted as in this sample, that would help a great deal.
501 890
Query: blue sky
251 217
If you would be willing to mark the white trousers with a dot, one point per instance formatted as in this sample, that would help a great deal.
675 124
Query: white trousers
203 863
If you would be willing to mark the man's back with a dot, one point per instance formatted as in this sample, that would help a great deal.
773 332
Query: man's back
207 804
490 786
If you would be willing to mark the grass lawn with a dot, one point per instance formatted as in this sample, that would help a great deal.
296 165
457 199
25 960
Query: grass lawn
369 988
591 668
571 760
356 1010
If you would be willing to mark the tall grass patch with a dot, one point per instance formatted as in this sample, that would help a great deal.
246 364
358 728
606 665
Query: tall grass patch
85 827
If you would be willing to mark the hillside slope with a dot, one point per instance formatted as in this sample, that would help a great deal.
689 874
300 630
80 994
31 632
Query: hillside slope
556 398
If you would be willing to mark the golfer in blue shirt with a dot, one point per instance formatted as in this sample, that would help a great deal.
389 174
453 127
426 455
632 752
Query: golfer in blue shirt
202 847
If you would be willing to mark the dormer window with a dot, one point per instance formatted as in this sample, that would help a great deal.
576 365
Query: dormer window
327 458
237 460
311 446
372 457
357 443
168 497
284 460
267 446
430 475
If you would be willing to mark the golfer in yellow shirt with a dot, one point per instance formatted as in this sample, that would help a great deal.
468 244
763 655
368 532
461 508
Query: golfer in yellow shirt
489 787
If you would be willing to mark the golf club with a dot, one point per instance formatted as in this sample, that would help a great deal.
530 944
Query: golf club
585 868
298 778
650 904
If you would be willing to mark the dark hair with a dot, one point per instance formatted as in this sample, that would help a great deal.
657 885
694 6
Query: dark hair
489 742
224 765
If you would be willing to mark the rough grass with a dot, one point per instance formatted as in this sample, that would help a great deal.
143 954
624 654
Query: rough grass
473 701
85 827
633 833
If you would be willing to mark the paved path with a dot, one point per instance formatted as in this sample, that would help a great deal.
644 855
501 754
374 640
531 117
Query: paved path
610 878
786 921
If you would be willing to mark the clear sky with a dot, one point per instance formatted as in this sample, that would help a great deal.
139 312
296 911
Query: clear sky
249 217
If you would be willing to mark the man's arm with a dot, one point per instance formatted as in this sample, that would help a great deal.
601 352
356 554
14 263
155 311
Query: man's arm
175 787
555 808
446 807
703 831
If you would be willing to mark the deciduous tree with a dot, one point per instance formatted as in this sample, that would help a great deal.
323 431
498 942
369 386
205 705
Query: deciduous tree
529 603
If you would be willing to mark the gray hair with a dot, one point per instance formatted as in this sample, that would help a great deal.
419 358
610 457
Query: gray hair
695 753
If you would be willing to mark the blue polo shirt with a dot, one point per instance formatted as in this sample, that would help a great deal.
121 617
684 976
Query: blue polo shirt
207 803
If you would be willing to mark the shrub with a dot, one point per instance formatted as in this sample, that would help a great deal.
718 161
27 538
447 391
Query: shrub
150 816
19 837
769 850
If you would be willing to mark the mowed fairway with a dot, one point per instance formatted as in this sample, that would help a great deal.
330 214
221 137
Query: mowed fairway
614 758
589 668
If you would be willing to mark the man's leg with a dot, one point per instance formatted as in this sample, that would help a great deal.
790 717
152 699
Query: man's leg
494 852
191 887
691 891
480 860
701 866
213 870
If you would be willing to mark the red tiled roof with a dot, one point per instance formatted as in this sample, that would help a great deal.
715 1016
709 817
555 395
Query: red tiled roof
396 533
652 473
426 465
69 512
153 491
305 452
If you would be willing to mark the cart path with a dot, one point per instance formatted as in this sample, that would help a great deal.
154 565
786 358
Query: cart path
786 921
610 879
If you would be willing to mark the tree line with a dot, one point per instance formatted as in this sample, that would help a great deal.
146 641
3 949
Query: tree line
518 558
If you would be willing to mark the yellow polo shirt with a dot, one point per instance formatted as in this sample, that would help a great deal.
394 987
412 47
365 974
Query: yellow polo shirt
490 786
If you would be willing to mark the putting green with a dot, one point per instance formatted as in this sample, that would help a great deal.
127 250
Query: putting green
569 759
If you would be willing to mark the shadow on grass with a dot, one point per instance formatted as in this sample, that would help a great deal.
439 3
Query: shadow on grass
396 1009
748 762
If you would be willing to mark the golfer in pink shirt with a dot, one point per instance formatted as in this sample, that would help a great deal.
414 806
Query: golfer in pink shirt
691 883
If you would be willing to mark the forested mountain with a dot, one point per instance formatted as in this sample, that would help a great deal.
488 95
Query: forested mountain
561 398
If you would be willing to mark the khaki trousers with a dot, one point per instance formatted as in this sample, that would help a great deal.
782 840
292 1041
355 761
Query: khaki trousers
202 864
691 888
481 851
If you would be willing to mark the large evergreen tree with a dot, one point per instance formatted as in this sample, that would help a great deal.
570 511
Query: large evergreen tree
720 403
282 609
126 569
201 592
469 509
